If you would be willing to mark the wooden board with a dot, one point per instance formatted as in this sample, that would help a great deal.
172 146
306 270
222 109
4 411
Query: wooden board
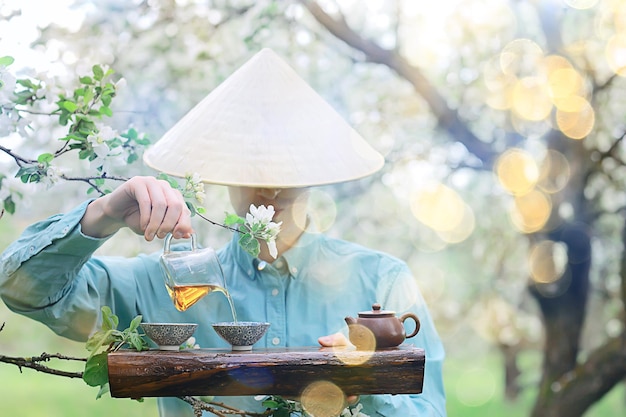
285 371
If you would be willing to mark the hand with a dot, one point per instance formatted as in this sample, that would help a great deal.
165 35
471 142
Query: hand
146 205
338 339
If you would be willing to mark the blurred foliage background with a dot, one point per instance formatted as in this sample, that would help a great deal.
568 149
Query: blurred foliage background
502 125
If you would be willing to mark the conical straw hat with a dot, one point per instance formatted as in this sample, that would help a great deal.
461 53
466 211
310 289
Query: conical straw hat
264 127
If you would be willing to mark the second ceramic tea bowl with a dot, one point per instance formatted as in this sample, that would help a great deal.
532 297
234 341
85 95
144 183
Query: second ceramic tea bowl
241 335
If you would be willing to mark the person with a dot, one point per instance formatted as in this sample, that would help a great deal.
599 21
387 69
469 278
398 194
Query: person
267 136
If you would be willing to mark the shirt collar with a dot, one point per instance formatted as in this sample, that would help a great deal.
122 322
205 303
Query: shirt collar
293 260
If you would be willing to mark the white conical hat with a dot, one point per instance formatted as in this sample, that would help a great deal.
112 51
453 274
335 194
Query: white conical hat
264 127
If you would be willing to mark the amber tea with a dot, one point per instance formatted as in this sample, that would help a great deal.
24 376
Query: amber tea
184 296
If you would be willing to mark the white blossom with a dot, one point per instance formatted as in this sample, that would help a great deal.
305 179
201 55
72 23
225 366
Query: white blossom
259 222
7 86
353 411
261 214
53 175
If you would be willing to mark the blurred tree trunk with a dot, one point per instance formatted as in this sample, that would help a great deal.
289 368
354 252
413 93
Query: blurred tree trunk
511 371
568 385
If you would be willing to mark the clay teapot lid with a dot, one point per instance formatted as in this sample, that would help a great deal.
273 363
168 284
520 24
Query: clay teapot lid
377 312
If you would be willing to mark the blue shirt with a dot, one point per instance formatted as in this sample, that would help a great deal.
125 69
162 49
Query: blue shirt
50 275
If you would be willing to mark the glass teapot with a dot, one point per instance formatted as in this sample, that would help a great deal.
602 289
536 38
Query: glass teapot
191 274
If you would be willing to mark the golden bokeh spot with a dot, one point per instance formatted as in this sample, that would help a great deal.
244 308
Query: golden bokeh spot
438 207
531 98
520 57
554 172
323 399
578 121
362 337
351 356
531 212
616 54
517 171
552 63
565 82
547 261
463 230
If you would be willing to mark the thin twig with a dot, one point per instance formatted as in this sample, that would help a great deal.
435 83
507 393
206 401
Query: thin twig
232 229
33 363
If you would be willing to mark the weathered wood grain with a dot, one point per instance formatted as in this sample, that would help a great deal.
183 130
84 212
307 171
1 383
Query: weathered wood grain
284 371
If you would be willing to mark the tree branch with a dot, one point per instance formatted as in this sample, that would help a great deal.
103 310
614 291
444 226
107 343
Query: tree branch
447 118
34 363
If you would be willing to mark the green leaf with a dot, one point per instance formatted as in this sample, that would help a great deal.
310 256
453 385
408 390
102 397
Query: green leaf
233 219
106 110
86 80
98 73
99 339
104 388
45 158
135 323
9 205
136 341
70 106
109 320
6 60
250 244
269 404
88 95
96 370
130 134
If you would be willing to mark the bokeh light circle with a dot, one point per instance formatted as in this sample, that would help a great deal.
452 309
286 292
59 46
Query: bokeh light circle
554 172
475 387
323 399
438 207
531 212
531 99
616 54
578 120
547 261
517 171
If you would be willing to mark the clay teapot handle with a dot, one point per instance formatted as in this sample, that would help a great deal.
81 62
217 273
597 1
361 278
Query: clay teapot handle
417 323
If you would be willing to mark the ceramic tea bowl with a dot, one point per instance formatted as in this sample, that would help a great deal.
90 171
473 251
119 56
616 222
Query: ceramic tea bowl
169 336
242 334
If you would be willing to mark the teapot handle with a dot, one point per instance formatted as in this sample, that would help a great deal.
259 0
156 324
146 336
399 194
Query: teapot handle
168 239
417 322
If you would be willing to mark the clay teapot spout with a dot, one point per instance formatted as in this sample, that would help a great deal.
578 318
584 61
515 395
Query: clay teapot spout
350 320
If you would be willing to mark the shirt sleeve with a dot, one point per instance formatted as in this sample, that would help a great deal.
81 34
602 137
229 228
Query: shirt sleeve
47 274
401 294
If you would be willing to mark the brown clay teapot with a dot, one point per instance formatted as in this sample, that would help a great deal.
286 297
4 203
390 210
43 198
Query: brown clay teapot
387 329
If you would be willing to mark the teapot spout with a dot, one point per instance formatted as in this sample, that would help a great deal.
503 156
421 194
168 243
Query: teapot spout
350 320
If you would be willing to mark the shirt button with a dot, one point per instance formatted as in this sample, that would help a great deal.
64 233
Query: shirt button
275 341
32 249
275 292
294 270
279 264
66 229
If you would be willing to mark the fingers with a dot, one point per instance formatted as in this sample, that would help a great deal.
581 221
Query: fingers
352 399
161 210
337 339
